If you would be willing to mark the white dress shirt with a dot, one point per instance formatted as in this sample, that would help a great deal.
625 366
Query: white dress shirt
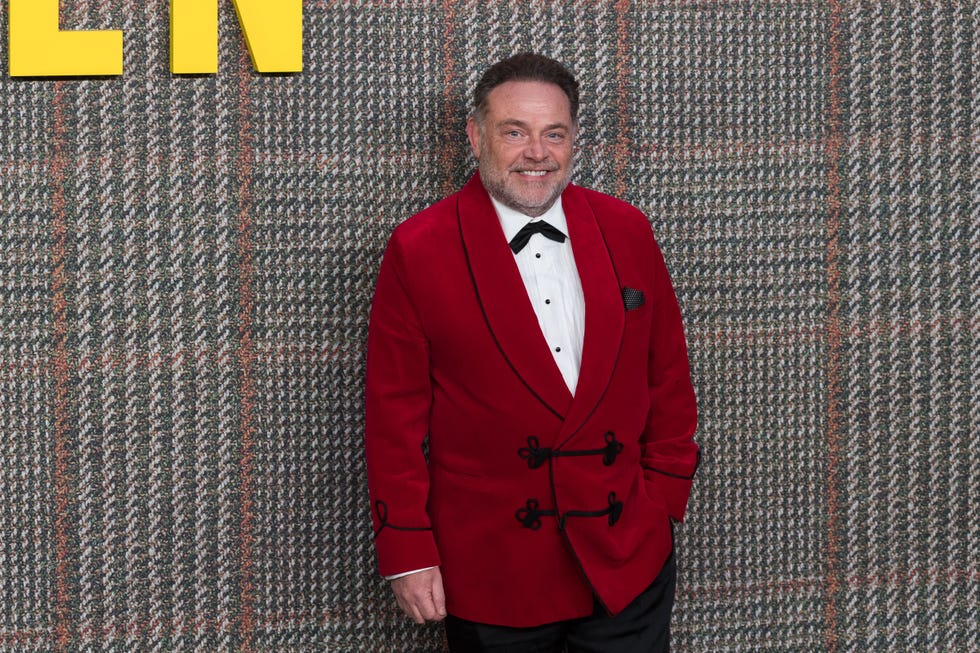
553 286
552 283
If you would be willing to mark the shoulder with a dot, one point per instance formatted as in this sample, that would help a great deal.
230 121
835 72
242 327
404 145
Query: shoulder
427 233
625 229
611 212
429 221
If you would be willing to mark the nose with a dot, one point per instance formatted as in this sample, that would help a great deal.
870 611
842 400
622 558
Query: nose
535 149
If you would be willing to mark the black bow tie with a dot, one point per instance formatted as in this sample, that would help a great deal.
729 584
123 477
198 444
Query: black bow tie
519 241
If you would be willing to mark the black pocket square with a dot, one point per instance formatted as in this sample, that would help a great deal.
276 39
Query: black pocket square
632 298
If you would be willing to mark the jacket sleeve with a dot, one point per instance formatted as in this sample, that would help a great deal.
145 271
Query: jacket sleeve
669 454
397 400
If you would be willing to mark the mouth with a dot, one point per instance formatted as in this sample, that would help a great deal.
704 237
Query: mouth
533 173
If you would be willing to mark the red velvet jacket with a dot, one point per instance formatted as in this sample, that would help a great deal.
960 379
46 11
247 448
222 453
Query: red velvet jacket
532 501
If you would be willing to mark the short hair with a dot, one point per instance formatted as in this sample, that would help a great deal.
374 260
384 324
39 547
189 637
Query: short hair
525 67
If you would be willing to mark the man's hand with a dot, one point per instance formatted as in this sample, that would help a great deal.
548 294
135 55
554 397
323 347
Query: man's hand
420 595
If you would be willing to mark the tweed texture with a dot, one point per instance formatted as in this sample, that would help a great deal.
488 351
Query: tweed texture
186 268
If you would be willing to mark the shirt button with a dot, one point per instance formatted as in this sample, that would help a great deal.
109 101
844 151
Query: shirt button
537 256
547 301
557 349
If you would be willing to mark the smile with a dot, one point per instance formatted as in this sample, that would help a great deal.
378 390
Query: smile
534 173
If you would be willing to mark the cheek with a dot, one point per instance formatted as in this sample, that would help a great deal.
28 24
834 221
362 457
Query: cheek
562 154
503 157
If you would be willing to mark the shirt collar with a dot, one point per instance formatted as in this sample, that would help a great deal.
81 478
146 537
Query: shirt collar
511 221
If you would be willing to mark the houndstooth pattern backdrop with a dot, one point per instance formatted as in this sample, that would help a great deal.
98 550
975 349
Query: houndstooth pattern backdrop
187 263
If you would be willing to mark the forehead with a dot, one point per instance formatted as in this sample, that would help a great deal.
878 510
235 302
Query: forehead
529 100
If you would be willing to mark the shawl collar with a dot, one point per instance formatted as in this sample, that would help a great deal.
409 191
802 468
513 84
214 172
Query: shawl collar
510 316
605 316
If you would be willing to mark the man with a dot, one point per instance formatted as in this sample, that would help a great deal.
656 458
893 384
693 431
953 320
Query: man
551 378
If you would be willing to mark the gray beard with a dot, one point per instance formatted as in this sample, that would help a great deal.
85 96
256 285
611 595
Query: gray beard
498 191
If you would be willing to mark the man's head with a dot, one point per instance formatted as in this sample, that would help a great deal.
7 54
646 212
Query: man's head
522 130
525 67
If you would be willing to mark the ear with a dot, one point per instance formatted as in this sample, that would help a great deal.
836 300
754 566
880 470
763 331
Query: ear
473 134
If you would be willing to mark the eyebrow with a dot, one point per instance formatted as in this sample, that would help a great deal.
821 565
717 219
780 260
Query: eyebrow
520 123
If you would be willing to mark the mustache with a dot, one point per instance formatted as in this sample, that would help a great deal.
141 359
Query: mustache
534 168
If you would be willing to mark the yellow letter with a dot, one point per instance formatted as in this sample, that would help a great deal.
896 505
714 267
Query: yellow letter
193 36
273 31
39 48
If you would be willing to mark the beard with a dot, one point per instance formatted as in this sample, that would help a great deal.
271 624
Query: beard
532 202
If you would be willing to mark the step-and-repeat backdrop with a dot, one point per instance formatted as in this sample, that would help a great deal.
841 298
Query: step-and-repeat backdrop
187 264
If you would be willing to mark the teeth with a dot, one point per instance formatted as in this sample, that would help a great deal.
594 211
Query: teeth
534 173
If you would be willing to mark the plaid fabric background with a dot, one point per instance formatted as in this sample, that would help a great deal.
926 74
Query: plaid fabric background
187 263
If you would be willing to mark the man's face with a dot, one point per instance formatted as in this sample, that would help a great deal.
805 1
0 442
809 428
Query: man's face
524 145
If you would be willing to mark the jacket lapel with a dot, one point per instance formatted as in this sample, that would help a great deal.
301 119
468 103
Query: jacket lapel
504 301
604 312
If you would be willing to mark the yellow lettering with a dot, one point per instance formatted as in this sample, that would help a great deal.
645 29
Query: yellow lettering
39 48
273 30
193 36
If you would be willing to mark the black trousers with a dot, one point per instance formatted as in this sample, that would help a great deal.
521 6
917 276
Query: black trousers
642 627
